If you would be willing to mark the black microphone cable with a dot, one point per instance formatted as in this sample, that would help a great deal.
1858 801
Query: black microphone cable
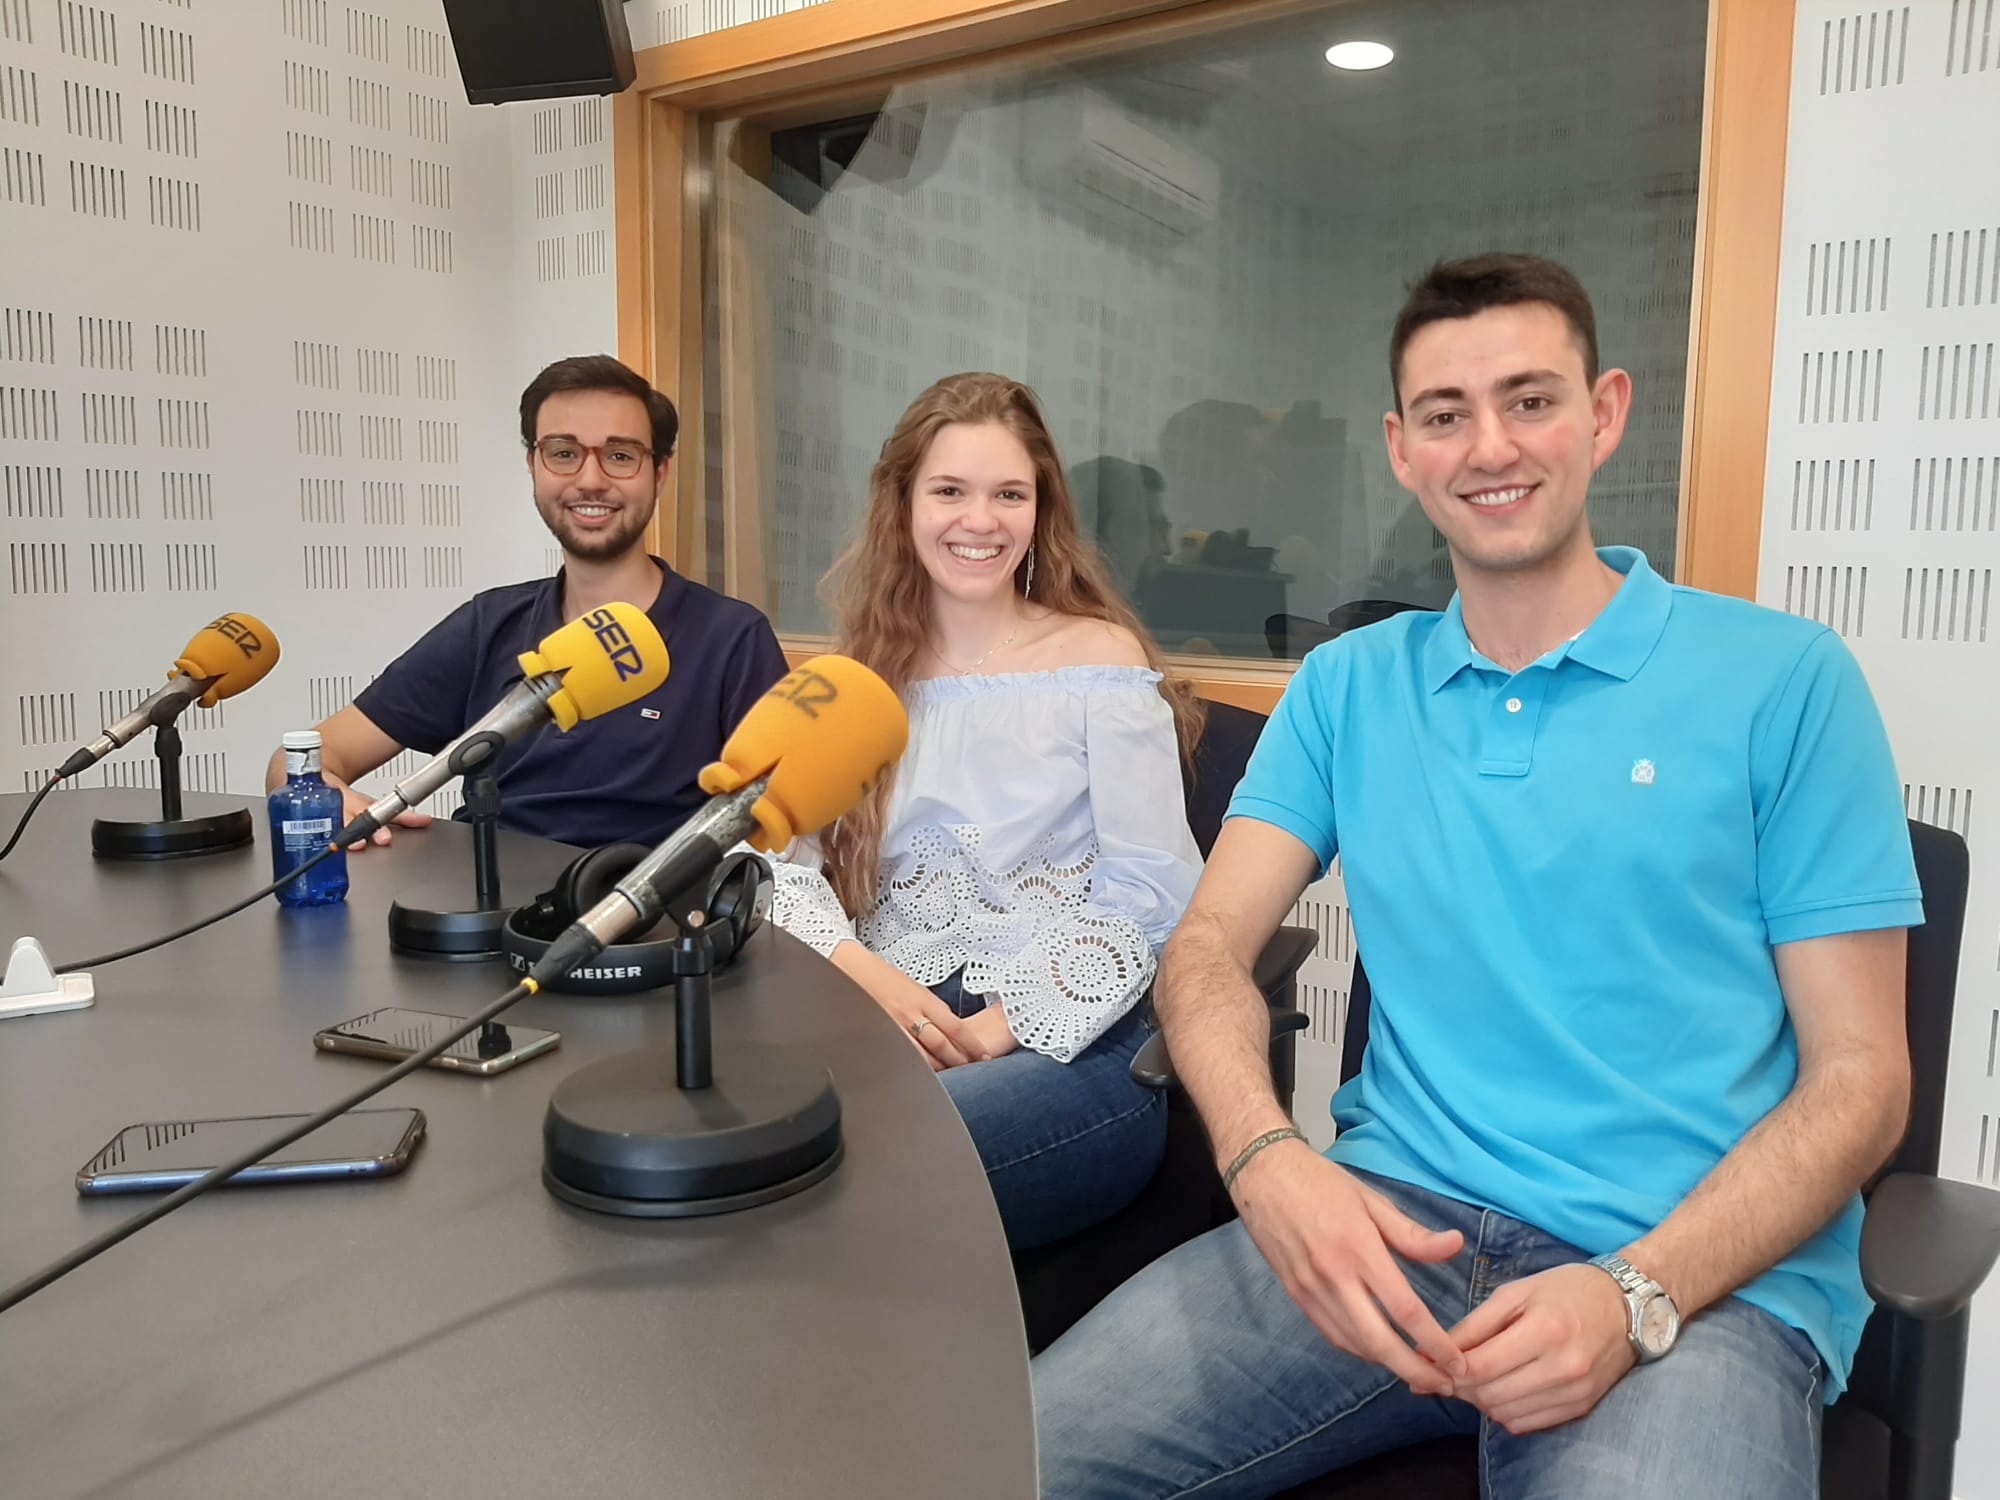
25 1288
77 965
21 827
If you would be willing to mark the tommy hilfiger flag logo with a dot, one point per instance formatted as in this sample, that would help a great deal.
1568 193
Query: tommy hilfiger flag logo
654 713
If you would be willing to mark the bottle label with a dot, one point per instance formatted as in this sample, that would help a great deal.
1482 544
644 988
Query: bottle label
302 762
305 835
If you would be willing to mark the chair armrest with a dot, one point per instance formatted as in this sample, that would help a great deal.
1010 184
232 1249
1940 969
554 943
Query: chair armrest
1278 965
1152 1068
1274 974
1927 1243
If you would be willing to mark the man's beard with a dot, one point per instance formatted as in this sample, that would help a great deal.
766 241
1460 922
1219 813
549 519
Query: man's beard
598 546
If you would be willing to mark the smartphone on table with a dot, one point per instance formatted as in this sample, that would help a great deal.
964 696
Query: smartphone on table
165 1154
394 1034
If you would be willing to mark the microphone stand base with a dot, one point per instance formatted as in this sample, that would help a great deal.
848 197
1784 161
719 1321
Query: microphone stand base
452 936
621 1138
170 838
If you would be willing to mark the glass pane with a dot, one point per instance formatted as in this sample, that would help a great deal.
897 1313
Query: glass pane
1193 252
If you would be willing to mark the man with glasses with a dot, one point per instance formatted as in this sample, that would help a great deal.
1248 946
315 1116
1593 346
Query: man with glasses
598 442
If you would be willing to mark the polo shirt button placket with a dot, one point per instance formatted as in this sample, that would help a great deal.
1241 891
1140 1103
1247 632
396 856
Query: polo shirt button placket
1511 721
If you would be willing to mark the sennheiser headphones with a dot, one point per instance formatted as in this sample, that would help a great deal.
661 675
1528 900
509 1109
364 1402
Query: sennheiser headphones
736 902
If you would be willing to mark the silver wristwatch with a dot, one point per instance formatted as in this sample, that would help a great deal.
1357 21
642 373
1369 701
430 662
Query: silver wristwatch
1653 1322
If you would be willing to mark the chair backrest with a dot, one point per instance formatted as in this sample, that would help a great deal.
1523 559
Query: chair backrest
1354 1030
1356 613
1292 636
1943 873
1219 763
1944 870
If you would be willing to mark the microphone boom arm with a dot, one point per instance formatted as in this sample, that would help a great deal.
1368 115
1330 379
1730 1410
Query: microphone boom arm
159 710
523 709
653 884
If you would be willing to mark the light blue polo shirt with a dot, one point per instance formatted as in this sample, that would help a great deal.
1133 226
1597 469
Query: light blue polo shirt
1567 883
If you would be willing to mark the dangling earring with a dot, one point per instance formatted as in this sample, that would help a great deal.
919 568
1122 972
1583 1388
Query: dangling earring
1028 585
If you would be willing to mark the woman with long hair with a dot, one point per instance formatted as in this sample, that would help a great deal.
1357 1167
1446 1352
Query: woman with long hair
1004 894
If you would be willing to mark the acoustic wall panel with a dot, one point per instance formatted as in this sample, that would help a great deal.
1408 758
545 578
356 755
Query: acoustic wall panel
561 241
677 20
244 354
1882 499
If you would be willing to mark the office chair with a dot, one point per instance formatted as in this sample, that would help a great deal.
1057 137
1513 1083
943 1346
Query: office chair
1290 637
1926 1245
1061 1282
1356 613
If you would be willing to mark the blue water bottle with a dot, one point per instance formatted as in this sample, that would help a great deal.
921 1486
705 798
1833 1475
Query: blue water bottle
305 815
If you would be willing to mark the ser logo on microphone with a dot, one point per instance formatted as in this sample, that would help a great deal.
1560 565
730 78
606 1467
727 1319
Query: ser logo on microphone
247 640
807 691
617 643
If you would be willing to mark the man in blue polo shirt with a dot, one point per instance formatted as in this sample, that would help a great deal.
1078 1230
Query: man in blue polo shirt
598 440
1629 871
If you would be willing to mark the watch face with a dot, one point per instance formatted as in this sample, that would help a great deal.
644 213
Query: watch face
1659 1324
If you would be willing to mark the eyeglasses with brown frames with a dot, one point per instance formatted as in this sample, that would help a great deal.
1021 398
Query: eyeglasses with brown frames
619 459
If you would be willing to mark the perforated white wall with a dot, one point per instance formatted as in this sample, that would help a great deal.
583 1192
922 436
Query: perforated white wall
268 308
1882 499
656 22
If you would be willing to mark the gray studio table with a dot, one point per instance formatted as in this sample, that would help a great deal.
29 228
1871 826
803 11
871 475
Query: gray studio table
456 1330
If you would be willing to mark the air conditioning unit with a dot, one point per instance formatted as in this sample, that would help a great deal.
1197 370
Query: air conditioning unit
1096 155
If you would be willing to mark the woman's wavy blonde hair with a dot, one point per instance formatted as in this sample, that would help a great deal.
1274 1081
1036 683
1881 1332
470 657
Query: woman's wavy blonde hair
881 595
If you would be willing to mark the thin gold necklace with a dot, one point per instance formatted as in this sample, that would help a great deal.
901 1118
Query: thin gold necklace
968 671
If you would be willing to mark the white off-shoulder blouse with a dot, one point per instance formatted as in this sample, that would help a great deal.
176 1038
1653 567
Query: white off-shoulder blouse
1037 840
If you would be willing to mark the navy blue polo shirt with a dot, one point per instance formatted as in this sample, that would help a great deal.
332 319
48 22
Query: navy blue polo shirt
626 775
1568 883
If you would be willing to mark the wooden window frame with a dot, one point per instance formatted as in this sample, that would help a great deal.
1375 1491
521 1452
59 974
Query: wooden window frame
813 59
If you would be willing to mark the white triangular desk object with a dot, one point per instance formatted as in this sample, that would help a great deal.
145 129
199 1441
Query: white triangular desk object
32 985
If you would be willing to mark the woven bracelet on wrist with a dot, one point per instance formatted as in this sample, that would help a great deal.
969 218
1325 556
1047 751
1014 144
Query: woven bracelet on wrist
1244 1157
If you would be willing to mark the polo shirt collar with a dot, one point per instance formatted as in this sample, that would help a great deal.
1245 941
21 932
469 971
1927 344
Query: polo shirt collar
1628 628
1449 650
1616 643
547 613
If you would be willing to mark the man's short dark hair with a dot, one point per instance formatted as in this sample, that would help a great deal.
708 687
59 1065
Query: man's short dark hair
1466 288
600 372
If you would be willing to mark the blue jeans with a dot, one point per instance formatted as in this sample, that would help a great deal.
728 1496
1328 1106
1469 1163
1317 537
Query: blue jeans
1064 1145
1200 1376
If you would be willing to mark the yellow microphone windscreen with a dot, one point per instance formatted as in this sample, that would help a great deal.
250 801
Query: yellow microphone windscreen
609 658
237 650
825 734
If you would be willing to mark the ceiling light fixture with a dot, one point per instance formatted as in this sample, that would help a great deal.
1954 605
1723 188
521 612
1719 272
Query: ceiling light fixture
1360 57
